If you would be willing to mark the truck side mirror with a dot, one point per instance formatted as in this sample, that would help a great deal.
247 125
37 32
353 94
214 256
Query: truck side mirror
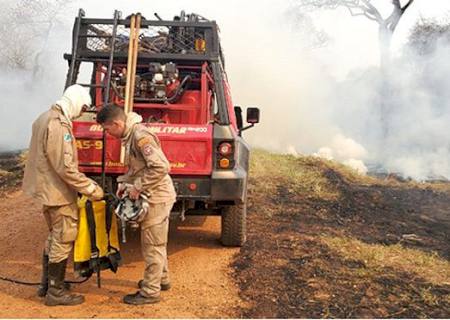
238 113
252 118
253 115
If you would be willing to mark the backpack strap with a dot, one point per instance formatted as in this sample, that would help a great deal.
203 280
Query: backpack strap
113 263
94 263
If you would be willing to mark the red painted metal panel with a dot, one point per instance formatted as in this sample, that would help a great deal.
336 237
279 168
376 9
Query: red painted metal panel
187 147
185 134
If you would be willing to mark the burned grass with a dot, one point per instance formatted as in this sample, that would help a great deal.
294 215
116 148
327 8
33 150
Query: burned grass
11 170
326 242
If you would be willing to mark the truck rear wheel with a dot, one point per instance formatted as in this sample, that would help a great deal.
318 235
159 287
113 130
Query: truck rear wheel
234 225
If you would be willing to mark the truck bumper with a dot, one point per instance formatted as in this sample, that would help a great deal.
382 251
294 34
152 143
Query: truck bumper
229 185
220 186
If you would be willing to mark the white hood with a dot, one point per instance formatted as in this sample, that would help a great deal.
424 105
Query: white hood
132 119
73 100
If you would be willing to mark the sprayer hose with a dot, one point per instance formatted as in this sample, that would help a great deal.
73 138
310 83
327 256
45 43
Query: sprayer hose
25 283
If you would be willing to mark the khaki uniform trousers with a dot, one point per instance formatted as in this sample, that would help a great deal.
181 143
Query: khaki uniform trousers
154 236
62 223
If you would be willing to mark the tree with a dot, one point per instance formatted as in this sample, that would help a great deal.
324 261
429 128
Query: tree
427 35
386 25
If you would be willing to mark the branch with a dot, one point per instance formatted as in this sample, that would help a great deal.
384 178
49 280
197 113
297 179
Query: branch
371 17
393 20
354 14
398 7
363 13
370 9
407 5
396 4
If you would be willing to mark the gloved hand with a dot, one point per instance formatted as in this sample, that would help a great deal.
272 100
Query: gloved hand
133 193
121 188
97 195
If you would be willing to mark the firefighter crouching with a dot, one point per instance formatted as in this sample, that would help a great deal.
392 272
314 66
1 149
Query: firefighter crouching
148 174
52 177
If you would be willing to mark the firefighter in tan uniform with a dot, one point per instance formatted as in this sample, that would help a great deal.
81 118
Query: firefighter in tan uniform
148 174
51 176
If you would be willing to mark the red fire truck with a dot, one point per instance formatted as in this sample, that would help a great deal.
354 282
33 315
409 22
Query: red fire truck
181 91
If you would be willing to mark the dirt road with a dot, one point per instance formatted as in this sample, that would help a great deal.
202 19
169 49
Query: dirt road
202 286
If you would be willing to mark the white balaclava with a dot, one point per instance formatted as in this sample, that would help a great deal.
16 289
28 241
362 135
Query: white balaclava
73 100
132 119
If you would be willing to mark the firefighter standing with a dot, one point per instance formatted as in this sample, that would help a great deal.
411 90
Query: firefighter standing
148 174
52 177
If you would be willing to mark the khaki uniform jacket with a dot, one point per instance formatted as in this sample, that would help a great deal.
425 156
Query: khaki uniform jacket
51 173
148 167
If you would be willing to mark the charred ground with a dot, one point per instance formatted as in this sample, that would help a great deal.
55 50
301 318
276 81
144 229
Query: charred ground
322 242
11 170
325 242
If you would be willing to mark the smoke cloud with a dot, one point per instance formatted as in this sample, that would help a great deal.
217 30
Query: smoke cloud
319 102
325 101
32 70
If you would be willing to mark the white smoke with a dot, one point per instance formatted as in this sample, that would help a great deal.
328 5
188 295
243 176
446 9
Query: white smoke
324 101
346 151
331 102
32 69
418 140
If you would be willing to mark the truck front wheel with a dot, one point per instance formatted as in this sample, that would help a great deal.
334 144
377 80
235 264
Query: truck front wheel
234 225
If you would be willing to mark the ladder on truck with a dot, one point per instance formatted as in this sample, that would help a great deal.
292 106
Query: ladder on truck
76 61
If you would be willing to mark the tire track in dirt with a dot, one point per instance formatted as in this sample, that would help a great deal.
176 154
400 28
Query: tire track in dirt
199 269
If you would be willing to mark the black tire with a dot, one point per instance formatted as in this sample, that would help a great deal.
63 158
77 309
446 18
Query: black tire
234 225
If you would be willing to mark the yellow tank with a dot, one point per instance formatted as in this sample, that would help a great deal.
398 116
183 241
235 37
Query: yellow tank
82 248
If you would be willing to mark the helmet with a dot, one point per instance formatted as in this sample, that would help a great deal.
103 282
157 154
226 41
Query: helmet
132 211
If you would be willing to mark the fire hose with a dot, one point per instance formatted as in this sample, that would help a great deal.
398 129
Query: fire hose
25 283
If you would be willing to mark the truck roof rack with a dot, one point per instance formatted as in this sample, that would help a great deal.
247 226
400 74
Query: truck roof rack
159 40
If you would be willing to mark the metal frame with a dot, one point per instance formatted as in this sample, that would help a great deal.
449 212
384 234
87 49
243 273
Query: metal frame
213 50
75 37
213 53
107 91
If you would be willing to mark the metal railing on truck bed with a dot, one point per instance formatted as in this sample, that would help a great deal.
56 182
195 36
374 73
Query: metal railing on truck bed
159 40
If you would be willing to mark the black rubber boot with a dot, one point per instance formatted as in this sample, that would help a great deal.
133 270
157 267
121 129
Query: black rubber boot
57 294
138 299
43 287
164 286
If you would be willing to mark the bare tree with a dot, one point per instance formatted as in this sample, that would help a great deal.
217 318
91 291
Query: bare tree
387 25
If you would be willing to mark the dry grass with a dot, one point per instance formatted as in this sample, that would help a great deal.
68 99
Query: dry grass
302 175
11 169
4 173
325 241
23 157
308 169
376 258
